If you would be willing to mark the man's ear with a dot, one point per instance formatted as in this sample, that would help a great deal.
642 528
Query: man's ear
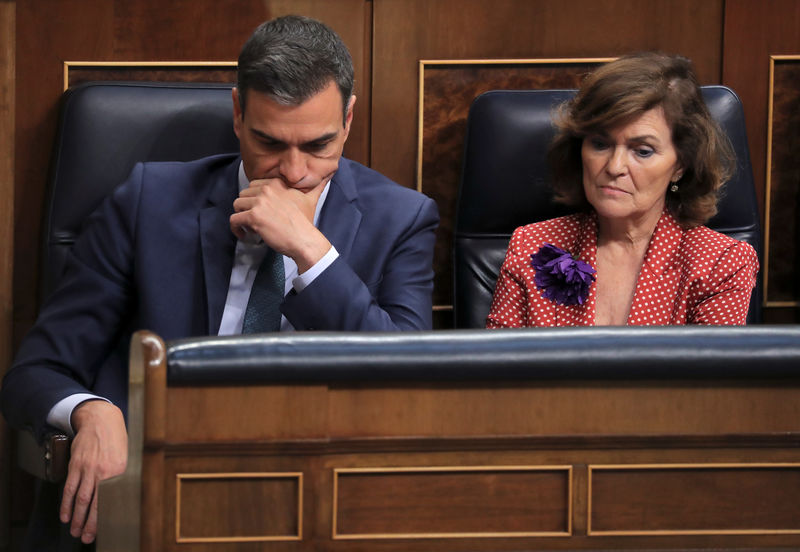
348 117
237 113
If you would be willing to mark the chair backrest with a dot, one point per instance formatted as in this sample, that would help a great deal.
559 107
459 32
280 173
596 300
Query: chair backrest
504 185
105 128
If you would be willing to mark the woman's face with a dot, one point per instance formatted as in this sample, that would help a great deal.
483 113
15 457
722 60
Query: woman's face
626 171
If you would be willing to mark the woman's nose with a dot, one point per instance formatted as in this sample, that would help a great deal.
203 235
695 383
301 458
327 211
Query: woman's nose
617 162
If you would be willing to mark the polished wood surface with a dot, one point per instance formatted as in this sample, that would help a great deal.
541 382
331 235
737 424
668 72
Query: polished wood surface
562 464
694 499
76 73
452 502
407 31
7 114
482 409
782 248
754 31
238 507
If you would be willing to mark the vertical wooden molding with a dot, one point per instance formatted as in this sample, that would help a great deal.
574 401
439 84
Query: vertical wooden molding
7 105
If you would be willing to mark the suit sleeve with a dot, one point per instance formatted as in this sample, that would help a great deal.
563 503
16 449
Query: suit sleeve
339 300
82 321
725 297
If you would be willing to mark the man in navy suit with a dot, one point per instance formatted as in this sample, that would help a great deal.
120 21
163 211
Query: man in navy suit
177 247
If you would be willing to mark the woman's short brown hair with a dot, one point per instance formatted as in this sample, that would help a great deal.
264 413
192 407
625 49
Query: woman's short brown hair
620 91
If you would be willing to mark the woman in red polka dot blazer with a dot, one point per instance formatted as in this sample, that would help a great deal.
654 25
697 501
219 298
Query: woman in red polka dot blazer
641 159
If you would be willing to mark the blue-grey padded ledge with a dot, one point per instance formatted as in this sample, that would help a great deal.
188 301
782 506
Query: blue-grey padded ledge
740 352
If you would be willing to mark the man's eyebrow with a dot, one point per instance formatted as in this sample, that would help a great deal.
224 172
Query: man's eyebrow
327 137
266 137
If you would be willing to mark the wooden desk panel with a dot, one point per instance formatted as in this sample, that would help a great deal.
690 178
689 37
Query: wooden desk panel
556 465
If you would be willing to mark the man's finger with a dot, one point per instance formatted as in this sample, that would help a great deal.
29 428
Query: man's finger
83 501
70 488
90 528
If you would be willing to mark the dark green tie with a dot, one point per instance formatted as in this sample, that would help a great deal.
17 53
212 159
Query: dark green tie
263 312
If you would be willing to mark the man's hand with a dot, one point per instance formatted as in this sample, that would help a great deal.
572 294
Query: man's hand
283 216
99 451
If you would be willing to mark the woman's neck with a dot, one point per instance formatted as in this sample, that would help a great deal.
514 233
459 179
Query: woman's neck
633 235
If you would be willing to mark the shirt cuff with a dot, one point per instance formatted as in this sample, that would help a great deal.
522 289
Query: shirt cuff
304 280
61 414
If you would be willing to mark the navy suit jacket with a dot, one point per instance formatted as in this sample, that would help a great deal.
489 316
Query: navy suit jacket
158 255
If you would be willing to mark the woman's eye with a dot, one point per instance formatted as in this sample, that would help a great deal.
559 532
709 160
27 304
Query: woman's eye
644 152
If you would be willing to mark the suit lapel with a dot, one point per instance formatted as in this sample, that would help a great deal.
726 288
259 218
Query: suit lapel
341 217
218 243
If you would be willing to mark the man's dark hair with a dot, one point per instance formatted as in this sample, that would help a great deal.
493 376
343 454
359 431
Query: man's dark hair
292 58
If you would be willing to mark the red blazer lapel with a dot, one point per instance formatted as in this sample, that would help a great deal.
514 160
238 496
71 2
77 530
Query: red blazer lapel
660 274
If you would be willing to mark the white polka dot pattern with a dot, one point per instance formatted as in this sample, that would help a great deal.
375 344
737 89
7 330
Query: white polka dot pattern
695 276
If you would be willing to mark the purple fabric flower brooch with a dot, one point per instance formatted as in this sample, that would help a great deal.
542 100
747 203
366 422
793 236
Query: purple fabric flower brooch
562 278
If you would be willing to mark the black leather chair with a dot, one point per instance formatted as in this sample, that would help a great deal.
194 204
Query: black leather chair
105 128
504 184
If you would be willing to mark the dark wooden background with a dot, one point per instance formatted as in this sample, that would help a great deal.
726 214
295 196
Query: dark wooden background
730 42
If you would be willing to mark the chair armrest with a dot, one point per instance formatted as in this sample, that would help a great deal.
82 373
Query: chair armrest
48 460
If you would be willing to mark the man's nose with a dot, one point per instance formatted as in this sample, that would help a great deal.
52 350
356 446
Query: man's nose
293 166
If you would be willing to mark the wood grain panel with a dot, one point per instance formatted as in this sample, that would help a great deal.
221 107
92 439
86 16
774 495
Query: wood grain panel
7 68
407 31
699 499
261 413
754 31
782 258
452 502
239 507
198 71
281 482
577 408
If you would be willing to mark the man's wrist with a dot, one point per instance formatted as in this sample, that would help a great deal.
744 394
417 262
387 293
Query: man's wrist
60 416
305 278
311 252
88 409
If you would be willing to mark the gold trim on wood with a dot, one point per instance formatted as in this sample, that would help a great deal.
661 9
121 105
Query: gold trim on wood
199 64
239 475
335 535
768 183
686 466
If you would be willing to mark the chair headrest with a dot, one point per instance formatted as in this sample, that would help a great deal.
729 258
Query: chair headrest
105 128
